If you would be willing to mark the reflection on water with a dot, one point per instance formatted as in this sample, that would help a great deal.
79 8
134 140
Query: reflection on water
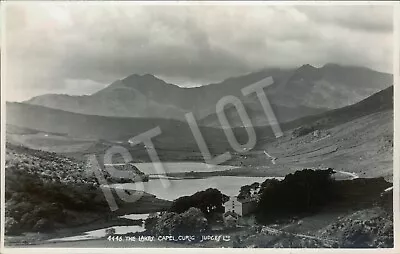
141 216
100 233
228 185
177 167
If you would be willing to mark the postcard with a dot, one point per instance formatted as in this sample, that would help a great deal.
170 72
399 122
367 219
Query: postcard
135 126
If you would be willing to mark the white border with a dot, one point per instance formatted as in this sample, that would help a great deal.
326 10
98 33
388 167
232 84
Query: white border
396 138
2 126
396 159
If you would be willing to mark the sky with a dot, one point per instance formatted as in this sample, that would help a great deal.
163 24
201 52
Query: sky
81 48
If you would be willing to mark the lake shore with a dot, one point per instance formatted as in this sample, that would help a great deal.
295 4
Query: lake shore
147 204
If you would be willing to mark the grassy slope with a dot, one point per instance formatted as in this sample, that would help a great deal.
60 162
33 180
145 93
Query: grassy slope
358 138
42 185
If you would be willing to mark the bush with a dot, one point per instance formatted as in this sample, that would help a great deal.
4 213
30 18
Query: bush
150 222
110 231
192 221
11 226
303 130
43 225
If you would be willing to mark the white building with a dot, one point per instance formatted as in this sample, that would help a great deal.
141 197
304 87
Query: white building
241 207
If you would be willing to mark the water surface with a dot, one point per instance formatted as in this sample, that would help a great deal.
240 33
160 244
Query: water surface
228 185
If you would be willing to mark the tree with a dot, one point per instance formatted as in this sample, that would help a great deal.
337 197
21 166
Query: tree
208 201
245 192
302 192
192 221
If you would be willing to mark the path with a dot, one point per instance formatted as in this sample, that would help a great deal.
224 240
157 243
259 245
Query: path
273 159
278 232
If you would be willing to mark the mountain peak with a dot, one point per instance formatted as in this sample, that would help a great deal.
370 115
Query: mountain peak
305 71
142 79
331 65
148 75
307 67
138 76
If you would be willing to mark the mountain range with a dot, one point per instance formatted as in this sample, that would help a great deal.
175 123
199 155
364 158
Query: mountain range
173 131
295 93
65 126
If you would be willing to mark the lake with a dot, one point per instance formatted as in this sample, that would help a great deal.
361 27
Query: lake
228 185
173 188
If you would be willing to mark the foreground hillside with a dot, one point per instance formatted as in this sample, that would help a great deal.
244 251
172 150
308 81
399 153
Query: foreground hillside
46 191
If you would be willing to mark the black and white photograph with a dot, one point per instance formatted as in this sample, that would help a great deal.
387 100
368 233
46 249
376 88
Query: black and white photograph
198 125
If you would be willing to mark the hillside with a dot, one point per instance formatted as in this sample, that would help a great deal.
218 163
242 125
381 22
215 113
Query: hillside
100 127
378 102
257 115
358 139
47 191
77 135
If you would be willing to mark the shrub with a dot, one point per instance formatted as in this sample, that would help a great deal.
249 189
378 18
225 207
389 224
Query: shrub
110 231
43 225
11 226
303 130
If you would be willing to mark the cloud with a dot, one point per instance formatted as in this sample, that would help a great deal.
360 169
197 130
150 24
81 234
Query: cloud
368 18
50 44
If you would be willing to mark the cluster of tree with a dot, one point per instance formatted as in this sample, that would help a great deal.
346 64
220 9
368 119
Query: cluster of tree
191 221
302 192
248 191
208 201
47 166
135 175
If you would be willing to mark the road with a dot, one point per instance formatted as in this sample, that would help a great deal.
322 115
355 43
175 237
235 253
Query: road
351 174
278 232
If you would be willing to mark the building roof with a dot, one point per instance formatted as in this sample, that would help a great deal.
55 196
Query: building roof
243 201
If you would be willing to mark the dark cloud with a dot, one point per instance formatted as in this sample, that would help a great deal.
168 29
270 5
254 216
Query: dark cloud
79 48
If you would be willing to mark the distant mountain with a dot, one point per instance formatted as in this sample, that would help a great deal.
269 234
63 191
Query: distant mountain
173 131
331 86
120 99
295 93
376 103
